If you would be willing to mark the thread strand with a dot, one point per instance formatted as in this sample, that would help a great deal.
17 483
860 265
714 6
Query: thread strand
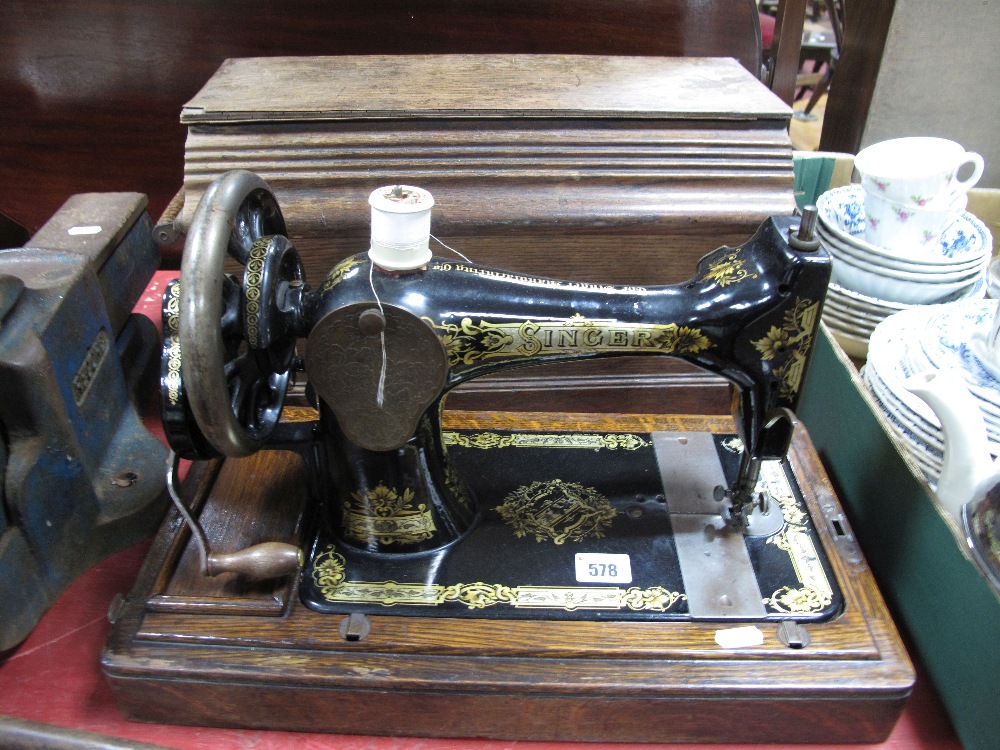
380 391
448 247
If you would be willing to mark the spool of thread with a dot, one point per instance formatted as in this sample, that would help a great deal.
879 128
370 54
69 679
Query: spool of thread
401 227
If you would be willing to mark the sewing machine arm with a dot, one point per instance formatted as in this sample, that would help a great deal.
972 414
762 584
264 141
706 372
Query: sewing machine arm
383 349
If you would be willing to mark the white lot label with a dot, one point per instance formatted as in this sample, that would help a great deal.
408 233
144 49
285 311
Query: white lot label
76 231
594 567
744 637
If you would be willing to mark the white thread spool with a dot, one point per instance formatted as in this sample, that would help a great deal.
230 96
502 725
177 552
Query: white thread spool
401 227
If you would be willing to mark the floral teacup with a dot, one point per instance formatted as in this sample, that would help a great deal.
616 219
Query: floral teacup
921 172
907 229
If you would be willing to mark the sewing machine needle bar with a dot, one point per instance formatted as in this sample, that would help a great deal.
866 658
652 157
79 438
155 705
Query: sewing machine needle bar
718 576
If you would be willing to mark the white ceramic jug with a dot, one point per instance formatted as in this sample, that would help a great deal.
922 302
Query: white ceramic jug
969 485
968 471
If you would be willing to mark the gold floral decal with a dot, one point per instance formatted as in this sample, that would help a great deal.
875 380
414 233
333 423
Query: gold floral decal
453 481
797 601
733 444
655 598
468 342
488 440
558 511
340 271
299 414
330 578
729 270
329 570
791 341
387 516
815 593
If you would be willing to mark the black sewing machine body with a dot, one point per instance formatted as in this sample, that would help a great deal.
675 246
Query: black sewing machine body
404 511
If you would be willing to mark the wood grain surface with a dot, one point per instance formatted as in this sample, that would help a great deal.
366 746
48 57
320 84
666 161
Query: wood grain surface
289 89
517 679
559 166
866 28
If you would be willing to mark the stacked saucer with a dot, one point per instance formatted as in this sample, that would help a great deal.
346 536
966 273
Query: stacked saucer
852 316
923 339
871 282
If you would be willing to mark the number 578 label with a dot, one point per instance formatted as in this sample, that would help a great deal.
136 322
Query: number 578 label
594 567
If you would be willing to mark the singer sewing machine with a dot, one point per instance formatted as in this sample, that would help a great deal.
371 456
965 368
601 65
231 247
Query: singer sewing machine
366 561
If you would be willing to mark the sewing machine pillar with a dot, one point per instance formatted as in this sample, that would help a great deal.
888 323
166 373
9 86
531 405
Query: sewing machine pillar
398 501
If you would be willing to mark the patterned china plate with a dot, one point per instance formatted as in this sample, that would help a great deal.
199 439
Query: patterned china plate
946 342
896 351
865 302
927 433
852 300
848 323
842 211
850 252
860 317
928 457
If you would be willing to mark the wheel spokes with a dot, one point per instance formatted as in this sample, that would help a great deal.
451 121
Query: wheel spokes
234 396
231 306
256 396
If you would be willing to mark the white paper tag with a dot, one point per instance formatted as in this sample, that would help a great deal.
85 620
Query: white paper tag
594 567
744 637
76 231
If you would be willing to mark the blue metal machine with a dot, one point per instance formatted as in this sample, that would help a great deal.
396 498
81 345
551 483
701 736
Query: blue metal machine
81 475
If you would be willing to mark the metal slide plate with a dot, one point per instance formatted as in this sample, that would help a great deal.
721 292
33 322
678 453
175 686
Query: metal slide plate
718 576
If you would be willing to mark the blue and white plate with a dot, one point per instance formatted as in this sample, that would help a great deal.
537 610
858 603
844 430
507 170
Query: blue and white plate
927 433
924 339
850 251
948 340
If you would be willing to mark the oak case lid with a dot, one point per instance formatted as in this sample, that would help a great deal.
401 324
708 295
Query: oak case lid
470 86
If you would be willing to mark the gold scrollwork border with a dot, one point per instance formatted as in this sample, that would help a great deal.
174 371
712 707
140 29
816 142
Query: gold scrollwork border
489 440
254 276
331 581
794 539
172 342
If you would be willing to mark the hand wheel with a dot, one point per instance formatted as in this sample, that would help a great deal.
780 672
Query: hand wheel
237 341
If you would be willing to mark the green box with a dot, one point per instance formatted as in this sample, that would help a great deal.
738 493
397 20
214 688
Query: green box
947 611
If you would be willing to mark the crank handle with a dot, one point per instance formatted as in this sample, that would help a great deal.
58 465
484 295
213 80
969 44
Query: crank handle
259 562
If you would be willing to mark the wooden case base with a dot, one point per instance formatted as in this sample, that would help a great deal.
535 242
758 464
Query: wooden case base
191 650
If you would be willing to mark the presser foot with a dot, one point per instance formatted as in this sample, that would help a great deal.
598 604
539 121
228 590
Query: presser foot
751 516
